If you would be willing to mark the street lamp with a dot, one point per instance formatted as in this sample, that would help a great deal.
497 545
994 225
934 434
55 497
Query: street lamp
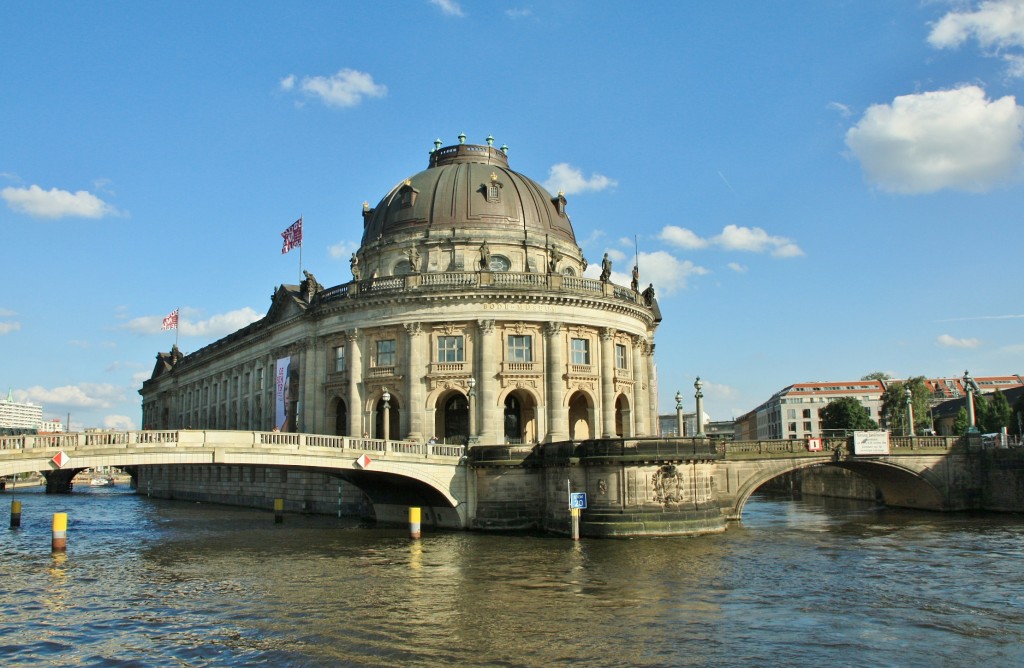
910 411
972 427
699 396
386 397
471 395
680 431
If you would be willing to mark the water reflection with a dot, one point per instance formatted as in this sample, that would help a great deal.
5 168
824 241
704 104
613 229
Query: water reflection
800 583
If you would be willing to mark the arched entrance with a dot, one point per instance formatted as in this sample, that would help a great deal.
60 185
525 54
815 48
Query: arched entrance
519 418
580 424
393 422
623 426
451 420
340 417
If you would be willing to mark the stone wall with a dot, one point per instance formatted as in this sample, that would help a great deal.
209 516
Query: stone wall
255 487
1003 480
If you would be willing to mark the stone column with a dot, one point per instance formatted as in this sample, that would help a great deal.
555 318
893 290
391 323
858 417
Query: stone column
557 414
652 385
640 384
354 360
491 426
608 382
414 388
315 419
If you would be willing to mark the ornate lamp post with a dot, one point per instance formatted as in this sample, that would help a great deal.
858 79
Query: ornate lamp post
680 431
386 397
910 412
699 396
471 395
972 427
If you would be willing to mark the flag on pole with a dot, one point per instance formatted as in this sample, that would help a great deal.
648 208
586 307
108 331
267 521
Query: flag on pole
292 236
171 321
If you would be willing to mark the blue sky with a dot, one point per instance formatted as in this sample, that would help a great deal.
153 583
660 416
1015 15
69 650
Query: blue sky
818 189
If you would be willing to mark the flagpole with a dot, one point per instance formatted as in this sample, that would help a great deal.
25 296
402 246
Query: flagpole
177 326
301 225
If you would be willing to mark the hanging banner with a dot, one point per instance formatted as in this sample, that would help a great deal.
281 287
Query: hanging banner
282 394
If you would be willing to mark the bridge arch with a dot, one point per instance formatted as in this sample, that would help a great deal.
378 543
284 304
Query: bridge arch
900 486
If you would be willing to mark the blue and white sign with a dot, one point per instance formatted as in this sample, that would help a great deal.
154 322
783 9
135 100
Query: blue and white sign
577 500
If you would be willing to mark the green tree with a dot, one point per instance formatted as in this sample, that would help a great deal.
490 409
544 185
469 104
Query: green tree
846 413
992 412
960 422
894 405
876 375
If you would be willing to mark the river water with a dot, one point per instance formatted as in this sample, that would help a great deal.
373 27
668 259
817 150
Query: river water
799 583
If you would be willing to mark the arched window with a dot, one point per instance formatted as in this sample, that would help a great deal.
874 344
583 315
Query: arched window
499 263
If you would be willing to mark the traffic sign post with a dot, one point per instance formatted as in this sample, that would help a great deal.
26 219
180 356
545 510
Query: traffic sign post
577 502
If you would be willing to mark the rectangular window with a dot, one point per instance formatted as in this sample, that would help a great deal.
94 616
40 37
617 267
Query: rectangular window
339 358
520 348
791 413
792 427
807 413
450 349
807 427
580 351
259 379
386 352
620 356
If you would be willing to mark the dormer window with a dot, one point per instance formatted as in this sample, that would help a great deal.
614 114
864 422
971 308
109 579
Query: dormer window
559 203
407 194
493 189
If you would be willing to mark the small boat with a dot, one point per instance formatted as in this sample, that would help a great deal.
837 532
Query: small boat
101 481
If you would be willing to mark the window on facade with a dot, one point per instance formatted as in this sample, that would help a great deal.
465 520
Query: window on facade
620 356
791 413
520 348
580 350
259 379
499 263
807 427
339 358
450 349
792 427
386 352
807 413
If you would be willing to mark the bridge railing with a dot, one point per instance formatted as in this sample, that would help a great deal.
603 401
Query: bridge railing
216 438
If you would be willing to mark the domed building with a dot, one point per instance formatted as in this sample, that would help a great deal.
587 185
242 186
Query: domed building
467 307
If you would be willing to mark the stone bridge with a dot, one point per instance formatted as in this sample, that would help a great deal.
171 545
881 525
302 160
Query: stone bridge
635 486
402 472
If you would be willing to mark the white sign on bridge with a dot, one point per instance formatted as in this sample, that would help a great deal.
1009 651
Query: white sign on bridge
870 442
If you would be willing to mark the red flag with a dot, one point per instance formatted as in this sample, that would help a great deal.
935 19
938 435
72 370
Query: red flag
171 321
292 236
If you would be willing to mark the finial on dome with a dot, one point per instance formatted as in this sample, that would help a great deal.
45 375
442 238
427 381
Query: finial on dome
504 149
437 143
494 177
462 137
490 140
366 206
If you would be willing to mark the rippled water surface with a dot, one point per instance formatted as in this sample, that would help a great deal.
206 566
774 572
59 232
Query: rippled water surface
157 583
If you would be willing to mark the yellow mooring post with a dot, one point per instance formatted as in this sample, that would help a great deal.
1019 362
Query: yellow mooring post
575 512
414 523
278 511
60 532
15 514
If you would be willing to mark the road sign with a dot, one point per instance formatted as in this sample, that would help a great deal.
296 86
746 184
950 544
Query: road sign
577 500
60 459
363 461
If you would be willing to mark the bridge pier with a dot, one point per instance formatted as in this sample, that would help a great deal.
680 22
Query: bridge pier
59 481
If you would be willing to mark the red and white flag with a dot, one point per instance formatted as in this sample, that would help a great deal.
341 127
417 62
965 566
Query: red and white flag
292 236
171 321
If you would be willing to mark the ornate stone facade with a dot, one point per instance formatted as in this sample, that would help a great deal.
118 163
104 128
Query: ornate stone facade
467 306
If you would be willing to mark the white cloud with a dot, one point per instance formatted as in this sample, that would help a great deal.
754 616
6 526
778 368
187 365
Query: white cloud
54 203
737 267
8 327
6 313
948 341
682 237
215 326
449 7
997 24
755 240
954 139
119 422
668 273
567 179
85 395
343 249
519 13
347 88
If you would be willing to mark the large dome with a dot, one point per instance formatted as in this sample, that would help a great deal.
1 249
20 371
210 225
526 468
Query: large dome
469 188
